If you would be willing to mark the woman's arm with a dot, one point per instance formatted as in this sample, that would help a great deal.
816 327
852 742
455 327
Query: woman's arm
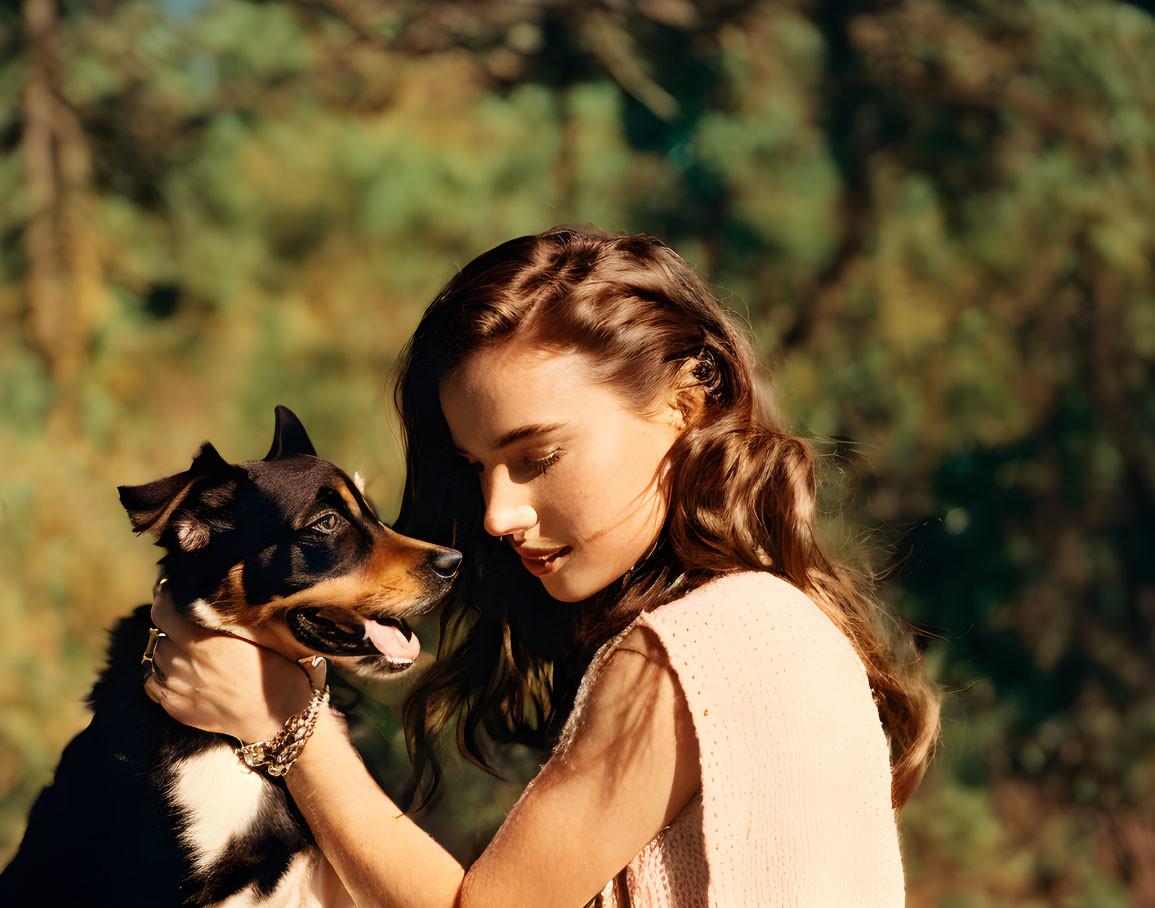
632 765
381 855
630 768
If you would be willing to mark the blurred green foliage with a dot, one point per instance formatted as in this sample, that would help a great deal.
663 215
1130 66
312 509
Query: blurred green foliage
937 217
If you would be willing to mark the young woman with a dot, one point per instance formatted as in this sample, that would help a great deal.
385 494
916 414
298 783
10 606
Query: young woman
643 590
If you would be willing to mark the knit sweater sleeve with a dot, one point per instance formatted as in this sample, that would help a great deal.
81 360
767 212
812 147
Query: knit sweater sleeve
795 800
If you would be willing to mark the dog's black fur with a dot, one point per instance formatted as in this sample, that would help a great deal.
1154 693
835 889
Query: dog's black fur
244 547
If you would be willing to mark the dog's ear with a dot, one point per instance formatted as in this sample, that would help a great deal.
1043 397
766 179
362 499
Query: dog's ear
289 437
151 506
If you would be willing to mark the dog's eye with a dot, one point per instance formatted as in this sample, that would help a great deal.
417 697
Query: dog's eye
328 523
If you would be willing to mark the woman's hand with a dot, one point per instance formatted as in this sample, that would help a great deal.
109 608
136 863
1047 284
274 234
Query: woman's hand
221 683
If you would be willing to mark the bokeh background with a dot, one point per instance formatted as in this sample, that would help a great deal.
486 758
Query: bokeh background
937 217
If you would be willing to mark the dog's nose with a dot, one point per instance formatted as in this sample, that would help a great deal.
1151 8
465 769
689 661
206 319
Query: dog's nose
445 563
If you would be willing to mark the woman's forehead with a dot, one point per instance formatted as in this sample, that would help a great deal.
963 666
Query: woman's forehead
498 371
497 396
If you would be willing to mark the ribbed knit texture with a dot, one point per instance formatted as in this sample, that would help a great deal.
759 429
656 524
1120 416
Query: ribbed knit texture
794 807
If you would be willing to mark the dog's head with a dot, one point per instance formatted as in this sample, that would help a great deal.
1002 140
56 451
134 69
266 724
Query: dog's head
290 547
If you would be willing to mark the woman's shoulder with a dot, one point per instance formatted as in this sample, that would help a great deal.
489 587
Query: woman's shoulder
795 765
751 587
754 634
754 607
746 634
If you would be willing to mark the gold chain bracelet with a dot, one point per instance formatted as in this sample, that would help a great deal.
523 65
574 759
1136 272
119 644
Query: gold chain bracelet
277 755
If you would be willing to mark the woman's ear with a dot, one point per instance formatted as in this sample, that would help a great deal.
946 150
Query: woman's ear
688 398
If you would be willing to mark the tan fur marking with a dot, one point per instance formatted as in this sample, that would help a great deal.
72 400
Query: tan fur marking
158 523
356 592
390 580
350 499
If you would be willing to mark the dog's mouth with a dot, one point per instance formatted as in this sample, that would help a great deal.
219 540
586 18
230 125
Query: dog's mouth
356 636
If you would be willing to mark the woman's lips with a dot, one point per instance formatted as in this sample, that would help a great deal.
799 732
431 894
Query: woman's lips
541 561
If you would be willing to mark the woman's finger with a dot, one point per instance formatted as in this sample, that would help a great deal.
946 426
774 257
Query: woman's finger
163 611
167 618
174 671
154 690
162 658
205 678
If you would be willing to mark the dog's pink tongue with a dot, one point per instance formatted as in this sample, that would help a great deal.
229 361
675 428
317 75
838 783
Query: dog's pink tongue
392 642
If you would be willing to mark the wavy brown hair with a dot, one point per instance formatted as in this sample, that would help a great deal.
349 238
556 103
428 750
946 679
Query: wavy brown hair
740 490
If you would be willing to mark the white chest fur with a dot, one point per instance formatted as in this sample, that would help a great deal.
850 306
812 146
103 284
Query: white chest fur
219 802
218 799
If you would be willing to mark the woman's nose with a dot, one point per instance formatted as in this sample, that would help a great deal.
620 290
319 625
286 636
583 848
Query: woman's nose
507 509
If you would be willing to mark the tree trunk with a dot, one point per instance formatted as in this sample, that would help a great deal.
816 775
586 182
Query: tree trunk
63 282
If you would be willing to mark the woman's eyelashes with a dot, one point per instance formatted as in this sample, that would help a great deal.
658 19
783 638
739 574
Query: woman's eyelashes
539 465
533 466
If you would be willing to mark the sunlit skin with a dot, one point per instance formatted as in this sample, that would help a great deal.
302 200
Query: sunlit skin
564 463
565 466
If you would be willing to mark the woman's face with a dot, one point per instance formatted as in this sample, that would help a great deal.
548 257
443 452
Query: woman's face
568 470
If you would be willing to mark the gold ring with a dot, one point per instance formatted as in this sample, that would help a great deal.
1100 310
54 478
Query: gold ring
154 636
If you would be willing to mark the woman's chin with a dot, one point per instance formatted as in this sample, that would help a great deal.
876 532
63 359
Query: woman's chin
570 585
559 589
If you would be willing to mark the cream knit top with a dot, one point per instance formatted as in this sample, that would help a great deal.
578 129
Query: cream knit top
794 807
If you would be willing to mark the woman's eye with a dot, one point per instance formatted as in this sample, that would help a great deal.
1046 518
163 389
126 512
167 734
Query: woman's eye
539 465
326 524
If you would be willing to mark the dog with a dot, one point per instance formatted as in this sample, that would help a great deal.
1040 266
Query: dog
146 811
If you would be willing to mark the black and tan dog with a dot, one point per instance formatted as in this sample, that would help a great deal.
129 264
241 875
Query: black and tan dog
146 811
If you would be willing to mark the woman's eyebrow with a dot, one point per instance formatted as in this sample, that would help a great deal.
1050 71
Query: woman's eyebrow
516 435
526 431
